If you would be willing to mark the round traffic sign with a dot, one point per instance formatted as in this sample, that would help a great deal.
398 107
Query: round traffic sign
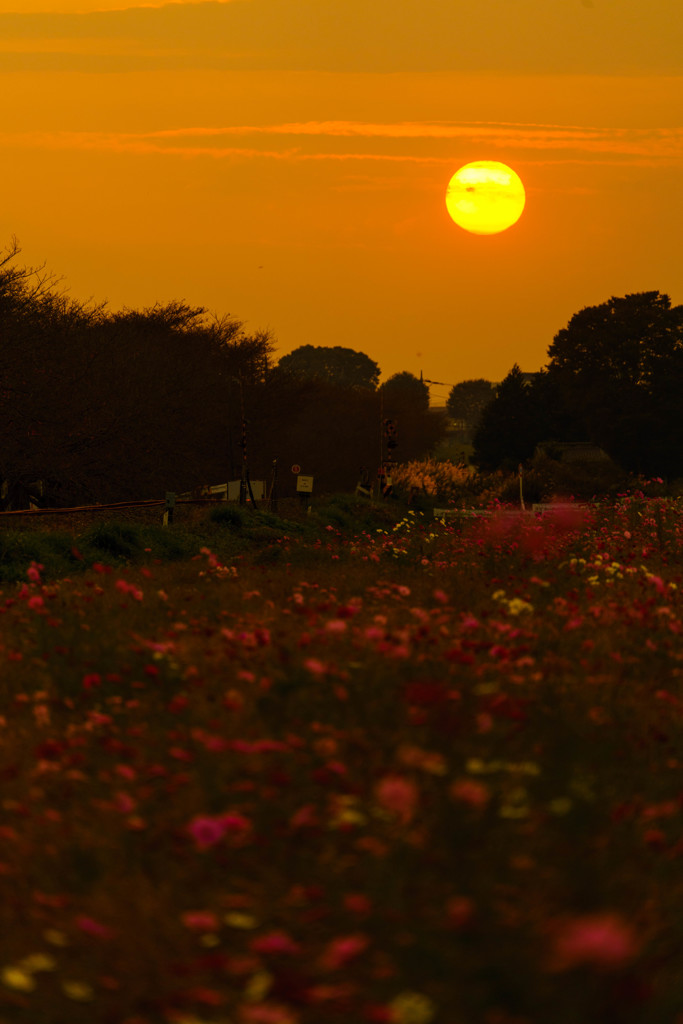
296 468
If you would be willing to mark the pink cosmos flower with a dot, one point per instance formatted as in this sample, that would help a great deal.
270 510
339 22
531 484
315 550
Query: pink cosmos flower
305 817
471 792
274 942
234 823
470 622
315 666
342 949
92 927
602 940
335 626
41 713
206 831
460 911
124 587
200 920
658 583
124 802
374 633
357 903
267 1013
398 794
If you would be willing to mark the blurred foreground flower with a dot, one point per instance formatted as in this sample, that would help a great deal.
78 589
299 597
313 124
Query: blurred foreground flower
412 1008
17 979
78 991
342 949
601 940
398 794
267 1013
207 831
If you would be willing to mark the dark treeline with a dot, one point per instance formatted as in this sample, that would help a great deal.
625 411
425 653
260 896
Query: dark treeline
614 378
106 406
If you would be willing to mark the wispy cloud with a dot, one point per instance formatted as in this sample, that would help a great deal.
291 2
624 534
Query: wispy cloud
65 7
626 141
528 36
403 141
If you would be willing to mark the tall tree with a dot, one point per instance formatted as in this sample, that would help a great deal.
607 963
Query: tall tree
405 400
404 392
619 368
337 365
467 401
508 431
116 405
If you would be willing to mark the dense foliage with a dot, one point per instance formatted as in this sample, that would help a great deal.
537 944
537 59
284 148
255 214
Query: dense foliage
334 364
467 401
107 406
614 378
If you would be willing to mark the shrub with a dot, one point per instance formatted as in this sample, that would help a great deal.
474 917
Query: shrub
117 540
232 516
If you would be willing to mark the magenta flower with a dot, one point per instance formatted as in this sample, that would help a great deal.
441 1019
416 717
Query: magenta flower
92 927
398 794
234 823
315 666
340 950
274 942
470 791
206 831
601 940
200 920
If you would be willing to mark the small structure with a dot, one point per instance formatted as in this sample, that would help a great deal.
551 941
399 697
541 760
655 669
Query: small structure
573 451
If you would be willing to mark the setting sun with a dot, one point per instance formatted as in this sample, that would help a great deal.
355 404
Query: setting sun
485 197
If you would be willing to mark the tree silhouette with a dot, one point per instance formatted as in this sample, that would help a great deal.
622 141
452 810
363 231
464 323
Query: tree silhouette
116 405
618 368
467 401
336 365
508 431
405 399
404 392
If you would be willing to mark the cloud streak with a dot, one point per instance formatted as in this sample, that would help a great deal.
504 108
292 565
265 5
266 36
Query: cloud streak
526 140
628 141
528 36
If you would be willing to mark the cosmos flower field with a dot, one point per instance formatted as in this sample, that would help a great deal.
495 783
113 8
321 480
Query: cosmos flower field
427 772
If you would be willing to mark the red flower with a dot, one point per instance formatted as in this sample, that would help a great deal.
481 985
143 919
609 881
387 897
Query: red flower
601 940
274 942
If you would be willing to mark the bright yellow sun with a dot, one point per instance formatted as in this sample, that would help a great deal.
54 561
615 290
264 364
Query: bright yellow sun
485 197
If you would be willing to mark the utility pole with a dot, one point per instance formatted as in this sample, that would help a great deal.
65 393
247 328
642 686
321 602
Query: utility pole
245 483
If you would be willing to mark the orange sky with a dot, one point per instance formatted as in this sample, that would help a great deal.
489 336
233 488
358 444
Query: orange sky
286 161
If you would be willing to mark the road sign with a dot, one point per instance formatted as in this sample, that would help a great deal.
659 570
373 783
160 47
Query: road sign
296 468
304 484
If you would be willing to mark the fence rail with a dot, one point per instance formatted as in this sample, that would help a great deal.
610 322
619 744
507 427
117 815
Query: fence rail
536 508
151 503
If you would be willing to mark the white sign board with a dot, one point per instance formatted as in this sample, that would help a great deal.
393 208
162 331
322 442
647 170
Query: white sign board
216 491
257 489
304 484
